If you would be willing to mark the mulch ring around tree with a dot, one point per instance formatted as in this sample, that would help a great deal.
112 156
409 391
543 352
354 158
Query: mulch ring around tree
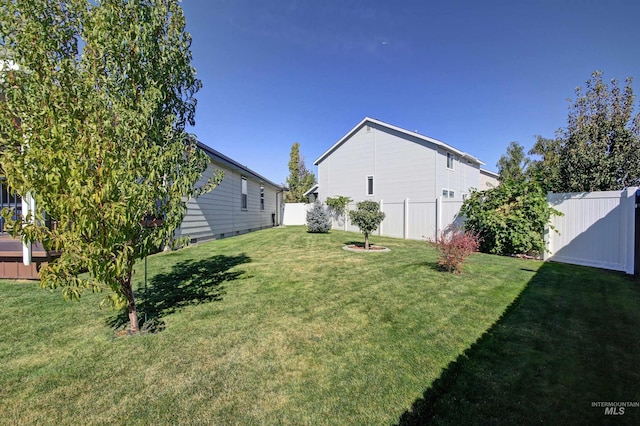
359 248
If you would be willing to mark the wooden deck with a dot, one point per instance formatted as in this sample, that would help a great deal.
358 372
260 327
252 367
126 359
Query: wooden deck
11 265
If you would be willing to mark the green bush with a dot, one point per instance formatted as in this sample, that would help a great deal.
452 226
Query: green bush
510 218
318 219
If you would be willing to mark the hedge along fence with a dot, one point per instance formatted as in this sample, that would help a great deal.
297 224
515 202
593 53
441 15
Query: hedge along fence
410 219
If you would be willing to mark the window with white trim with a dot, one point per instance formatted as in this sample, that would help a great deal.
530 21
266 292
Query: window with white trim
262 196
244 193
369 185
447 193
449 161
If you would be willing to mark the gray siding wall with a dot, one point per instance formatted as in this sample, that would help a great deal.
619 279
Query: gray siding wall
218 213
465 175
487 181
402 167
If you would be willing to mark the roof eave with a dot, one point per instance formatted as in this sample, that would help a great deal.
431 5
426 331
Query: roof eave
400 130
231 162
311 190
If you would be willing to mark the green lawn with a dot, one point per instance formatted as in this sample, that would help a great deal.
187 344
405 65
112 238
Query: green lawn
284 327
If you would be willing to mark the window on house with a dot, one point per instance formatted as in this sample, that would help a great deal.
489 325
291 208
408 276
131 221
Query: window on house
449 161
261 196
446 193
369 185
244 193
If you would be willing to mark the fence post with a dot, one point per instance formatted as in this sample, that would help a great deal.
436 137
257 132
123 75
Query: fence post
438 216
382 210
629 205
547 232
406 218
346 216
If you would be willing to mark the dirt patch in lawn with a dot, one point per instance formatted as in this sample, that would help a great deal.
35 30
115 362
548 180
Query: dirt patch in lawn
360 248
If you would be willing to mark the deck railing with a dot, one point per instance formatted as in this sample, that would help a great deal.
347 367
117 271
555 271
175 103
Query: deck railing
11 200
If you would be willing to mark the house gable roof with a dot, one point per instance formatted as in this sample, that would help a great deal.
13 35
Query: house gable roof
220 157
489 173
311 190
399 130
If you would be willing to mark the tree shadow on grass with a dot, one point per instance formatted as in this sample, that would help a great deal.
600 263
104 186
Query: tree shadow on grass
570 339
190 282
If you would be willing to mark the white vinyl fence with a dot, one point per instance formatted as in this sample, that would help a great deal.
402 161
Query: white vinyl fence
597 229
410 219
295 214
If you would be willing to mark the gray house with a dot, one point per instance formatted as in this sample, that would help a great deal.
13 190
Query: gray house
376 160
243 202
420 181
488 179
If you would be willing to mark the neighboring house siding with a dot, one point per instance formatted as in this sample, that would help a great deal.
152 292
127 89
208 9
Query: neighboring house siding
460 179
402 165
488 180
219 213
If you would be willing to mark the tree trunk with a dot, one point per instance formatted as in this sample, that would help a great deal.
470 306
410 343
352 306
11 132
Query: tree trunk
366 241
127 290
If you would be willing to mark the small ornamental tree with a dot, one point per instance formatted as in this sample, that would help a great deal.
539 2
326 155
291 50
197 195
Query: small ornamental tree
367 217
318 219
93 128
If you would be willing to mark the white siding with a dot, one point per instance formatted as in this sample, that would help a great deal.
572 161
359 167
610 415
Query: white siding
402 166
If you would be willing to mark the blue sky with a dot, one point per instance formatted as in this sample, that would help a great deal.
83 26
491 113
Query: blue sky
476 75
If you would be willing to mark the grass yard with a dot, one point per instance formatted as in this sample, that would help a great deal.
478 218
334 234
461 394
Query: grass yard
284 327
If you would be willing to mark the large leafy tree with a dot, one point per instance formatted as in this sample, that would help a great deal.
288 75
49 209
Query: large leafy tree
512 165
93 127
601 143
546 168
300 179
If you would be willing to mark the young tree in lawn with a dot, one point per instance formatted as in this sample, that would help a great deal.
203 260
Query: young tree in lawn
300 179
93 127
367 217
